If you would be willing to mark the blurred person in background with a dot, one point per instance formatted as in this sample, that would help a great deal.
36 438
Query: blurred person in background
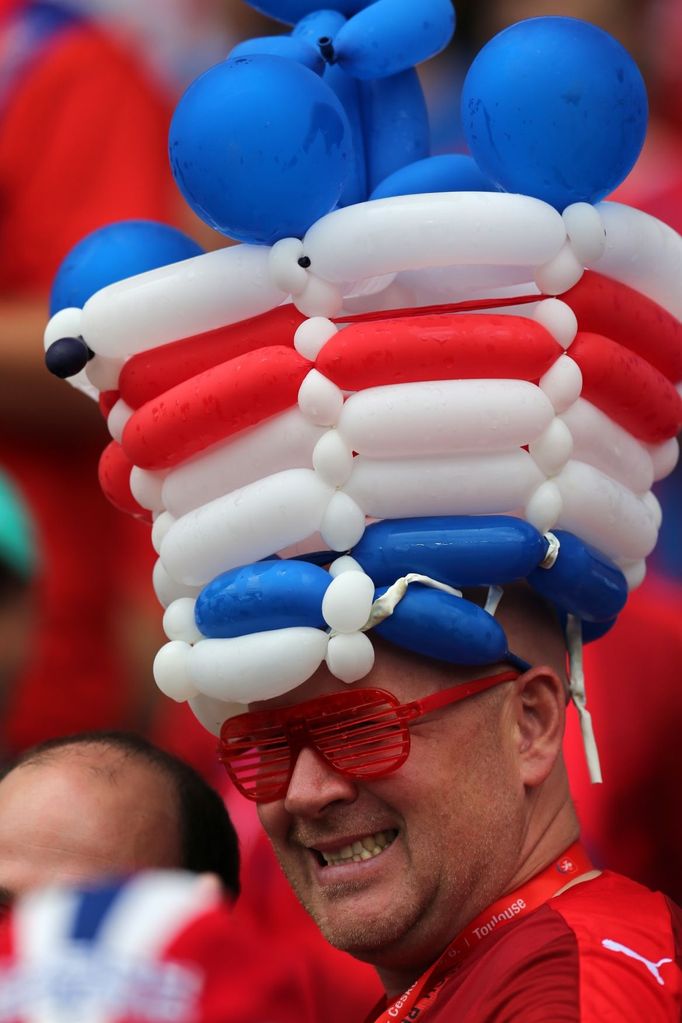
103 804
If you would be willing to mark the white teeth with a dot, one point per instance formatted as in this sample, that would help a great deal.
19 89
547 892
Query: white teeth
363 849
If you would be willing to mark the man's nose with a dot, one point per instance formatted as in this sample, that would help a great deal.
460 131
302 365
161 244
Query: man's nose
314 785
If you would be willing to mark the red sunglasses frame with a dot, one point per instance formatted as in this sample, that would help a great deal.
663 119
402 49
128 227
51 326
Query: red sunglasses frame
296 726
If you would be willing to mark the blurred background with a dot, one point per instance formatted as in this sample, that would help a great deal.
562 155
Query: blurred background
86 94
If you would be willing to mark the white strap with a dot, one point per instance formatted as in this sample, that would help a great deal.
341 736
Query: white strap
574 642
385 605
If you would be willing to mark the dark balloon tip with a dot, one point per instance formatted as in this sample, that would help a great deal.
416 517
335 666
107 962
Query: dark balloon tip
67 356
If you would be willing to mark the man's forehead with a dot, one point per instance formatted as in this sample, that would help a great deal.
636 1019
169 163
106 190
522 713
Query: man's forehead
406 675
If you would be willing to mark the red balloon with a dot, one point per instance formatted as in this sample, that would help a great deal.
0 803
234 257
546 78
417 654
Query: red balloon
213 405
107 400
149 374
607 307
627 388
114 479
440 347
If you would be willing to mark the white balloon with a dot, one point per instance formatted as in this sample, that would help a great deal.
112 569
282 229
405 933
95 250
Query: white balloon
177 301
282 442
435 285
634 573
604 513
435 229
179 623
285 272
245 525
65 323
118 417
168 589
319 399
560 273
146 486
544 506
643 253
345 563
600 442
103 373
559 319
664 457
162 524
333 459
350 657
172 672
319 298
312 335
343 522
469 484
562 383
212 713
585 231
444 416
654 506
348 601
553 448
259 666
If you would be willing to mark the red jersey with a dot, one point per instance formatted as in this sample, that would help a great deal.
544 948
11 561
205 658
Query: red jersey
604 951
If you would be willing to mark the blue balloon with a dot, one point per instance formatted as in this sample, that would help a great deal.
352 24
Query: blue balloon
391 36
320 25
276 594
291 11
582 581
261 148
590 630
461 550
348 91
436 624
114 252
396 124
452 172
293 48
555 108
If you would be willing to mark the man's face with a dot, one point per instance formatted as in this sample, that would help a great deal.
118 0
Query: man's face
448 822
60 821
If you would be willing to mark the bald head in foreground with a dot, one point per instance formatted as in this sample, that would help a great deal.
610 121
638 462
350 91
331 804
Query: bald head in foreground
105 804
429 830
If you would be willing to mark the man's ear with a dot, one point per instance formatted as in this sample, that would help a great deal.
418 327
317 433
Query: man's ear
540 714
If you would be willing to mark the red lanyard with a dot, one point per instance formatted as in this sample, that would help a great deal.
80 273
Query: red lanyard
524 900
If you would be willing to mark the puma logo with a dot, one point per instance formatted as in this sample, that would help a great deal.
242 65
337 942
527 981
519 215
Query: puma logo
653 968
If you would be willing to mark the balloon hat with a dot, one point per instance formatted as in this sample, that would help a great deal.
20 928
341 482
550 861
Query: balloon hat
414 375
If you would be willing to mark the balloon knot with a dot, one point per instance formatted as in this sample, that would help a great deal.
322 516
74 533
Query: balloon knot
327 49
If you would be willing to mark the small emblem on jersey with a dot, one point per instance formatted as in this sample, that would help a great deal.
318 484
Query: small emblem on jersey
652 967
566 866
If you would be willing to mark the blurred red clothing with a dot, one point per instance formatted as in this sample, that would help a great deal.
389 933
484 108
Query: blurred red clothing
83 141
631 823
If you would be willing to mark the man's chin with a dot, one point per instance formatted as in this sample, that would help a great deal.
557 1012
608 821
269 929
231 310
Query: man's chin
363 930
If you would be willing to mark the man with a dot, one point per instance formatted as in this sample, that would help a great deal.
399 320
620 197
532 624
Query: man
458 875
104 804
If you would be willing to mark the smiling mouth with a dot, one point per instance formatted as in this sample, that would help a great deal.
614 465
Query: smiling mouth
366 848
